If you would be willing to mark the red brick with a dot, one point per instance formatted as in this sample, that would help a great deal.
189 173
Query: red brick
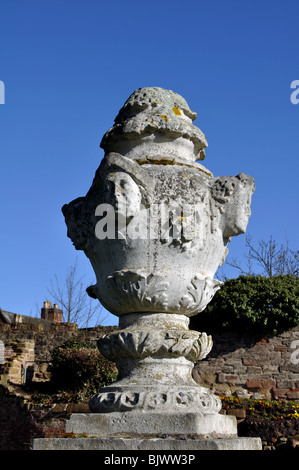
280 347
249 363
293 395
280 392
268 383
254 384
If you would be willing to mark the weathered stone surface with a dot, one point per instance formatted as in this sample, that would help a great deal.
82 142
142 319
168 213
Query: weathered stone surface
155 225
168 220
152 423
141 342
129 396
153 125
155 392
154 355
239 443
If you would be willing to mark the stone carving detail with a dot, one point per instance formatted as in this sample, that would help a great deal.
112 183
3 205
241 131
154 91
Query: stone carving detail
156 225
199 294
138 290
196 400
190 241
138 344
151 114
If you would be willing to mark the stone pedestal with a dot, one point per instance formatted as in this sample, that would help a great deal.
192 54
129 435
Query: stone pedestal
155 402
151 424
155 445
154 354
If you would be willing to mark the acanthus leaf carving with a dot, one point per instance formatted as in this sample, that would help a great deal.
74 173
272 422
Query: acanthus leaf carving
138 344
137 288
200 291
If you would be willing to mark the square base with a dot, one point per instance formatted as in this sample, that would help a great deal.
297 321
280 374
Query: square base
120 444
151 424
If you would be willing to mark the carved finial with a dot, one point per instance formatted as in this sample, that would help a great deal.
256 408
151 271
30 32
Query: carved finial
164 121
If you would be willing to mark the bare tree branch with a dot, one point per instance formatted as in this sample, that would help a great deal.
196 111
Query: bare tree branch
269 258
72 297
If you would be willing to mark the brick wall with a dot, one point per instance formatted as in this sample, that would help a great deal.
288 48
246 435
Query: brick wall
21 422
268 366
265 366
28 347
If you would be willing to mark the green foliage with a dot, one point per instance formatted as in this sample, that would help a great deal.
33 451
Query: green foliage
78 367
255 303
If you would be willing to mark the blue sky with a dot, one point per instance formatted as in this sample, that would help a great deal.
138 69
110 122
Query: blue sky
68 67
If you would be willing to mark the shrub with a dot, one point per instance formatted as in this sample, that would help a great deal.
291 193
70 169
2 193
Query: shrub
255 303
78 366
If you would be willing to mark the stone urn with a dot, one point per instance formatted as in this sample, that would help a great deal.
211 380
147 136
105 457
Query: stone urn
155 225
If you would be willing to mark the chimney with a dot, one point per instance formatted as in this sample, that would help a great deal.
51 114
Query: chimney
50 313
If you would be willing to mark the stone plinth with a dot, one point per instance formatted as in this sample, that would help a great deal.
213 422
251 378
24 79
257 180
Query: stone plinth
121 444
152 424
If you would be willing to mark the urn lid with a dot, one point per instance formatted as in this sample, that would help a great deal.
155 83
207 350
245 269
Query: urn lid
156 124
